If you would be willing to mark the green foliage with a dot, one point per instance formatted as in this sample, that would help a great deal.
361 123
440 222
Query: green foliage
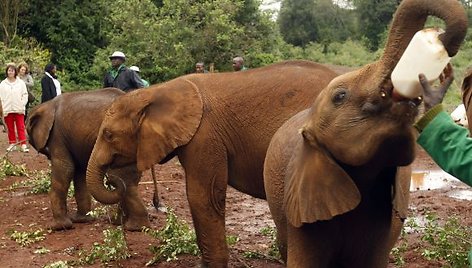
174 239
449 242
374 18
348 53
71 31
402 246
99 211
27 237
28 50
231 240
167 41
113 248
297 22
7 168
273 252
271 232
38 181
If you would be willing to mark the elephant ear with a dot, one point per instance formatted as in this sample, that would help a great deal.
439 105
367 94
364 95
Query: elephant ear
39 124
170 120
317 188
401 191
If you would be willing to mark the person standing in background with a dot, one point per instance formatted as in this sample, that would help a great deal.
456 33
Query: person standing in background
136 69
14 96
120 76
23 74
50 86
200 68
238 64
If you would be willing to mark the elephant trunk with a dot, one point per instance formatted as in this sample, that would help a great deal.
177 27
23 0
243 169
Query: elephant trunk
411 16
95 183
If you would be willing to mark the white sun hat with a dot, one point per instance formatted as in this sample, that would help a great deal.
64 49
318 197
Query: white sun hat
118 54
134 68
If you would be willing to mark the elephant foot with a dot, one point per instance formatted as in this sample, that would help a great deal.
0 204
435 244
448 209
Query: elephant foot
82 218
61 225
137 225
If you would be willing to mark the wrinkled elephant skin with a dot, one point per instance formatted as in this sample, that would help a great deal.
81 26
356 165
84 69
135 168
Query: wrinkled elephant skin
337 174
65 130
219 125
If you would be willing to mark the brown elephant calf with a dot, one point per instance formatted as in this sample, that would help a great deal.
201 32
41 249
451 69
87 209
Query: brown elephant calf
219 125
334 172
65 129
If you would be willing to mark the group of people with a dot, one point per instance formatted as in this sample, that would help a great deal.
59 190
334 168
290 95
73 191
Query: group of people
16 91
238 65
16 94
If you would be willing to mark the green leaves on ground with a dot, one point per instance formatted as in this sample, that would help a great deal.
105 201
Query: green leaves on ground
26 238
176 238
113 248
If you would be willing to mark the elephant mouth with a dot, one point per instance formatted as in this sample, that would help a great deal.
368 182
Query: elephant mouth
405 111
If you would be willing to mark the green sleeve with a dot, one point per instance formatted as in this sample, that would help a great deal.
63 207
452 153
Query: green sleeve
448 144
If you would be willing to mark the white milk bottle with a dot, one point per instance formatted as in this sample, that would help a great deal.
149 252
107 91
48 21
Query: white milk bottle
425 54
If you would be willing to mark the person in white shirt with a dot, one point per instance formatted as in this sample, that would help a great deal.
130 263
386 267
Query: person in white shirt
50 86
14 96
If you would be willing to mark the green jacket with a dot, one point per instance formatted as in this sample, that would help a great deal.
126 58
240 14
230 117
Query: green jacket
448 144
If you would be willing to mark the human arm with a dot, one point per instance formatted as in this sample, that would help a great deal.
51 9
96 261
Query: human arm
23 94
447 143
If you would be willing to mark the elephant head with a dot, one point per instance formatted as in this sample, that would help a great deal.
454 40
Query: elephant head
39 124
355 122
143 127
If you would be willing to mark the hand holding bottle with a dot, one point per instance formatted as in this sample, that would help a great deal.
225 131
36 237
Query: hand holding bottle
434 96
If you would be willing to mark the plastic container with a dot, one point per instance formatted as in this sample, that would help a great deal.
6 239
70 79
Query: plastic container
425 54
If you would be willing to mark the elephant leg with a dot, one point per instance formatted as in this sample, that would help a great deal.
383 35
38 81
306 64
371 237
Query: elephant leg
132 212
311 246
62 172
82 198
135 211
206 193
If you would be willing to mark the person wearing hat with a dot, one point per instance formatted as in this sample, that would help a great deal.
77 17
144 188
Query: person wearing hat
120 76
136 69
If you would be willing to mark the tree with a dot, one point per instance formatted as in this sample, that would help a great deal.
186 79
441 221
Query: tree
334 23
374 18
297 22
9 10
71 30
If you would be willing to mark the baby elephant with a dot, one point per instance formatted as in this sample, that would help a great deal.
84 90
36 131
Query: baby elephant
65 129
337 175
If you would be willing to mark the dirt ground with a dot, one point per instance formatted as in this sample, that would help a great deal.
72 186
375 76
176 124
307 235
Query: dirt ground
246 216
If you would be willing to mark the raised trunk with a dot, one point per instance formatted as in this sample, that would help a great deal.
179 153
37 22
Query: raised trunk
95 176
410 18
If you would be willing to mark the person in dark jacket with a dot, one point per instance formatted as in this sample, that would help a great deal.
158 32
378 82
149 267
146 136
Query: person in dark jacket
120 76
50 86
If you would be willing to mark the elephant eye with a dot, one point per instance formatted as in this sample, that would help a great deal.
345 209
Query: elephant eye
107 135
339 97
